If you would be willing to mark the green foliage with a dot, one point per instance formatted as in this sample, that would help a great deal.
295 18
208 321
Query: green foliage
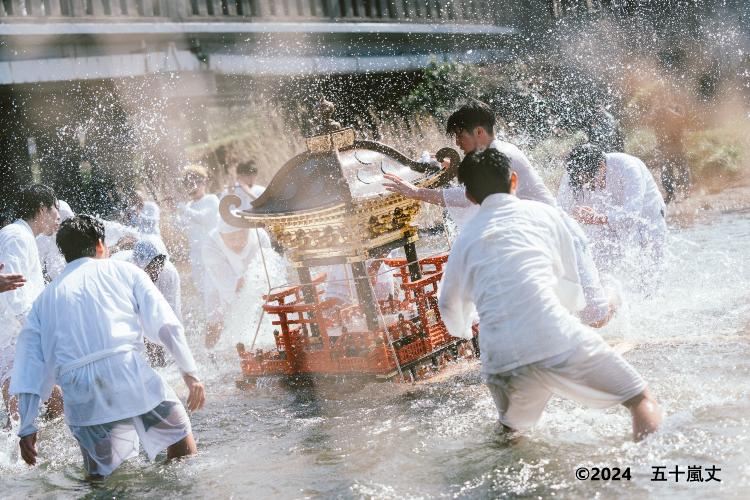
642 142
717 151
441 87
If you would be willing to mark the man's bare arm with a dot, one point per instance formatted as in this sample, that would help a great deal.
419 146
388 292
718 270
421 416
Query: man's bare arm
10 282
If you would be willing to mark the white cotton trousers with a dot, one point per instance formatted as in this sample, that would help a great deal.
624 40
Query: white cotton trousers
105 446
592 374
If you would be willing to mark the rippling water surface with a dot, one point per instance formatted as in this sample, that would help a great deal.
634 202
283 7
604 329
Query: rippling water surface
439 439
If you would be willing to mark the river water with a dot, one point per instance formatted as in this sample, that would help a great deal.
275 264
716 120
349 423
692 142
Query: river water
439 438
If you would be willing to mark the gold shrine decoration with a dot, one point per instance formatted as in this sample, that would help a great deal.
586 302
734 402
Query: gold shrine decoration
388 221
324 143
337 233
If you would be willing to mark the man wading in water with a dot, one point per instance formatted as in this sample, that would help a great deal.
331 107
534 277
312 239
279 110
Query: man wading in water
515 263
85 332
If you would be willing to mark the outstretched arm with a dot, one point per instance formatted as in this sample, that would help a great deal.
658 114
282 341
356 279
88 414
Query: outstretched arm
28 407
161 325
10 282
409 190
32 380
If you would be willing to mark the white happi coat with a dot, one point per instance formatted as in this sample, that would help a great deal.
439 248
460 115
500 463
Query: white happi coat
246 198
514 263
224 268
199 218
19 253
85 333
633 204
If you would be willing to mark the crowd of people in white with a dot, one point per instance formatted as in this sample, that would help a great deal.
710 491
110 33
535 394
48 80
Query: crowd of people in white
532 267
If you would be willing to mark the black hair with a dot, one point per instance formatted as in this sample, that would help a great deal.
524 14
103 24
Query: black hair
583 163
78 236
32 198
469 116
485 173
247 168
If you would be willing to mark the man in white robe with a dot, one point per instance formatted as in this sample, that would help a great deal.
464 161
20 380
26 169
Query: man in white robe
85 332
473 125
199 216
227 254
52 260
150 254
245 187
514 264
37 212
616 198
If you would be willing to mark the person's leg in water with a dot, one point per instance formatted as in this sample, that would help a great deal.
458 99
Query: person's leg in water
182 448
213 333
646 414
11 404
55 406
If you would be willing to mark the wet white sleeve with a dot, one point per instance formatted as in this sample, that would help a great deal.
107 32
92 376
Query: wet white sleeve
568 288
456 308
173 338
31 372
160 324
28 409
459 208
596 297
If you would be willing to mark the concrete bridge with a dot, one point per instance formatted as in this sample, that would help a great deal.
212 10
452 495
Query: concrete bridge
63 40
72 72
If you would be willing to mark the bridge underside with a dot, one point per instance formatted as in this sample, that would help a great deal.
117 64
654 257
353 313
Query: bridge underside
32 53
70 93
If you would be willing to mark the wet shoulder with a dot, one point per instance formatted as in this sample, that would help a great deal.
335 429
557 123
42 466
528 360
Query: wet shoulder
624 162
536 211
16 235
123 270
505 147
